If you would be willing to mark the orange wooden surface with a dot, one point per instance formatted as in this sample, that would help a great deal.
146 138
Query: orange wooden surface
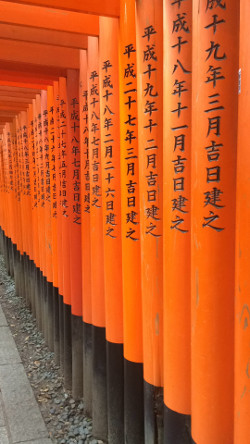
63 127
39 54
32 177
36 186
95 173
150 129
47 187
214 139
130 198
242 253
45 36
46 18
53 141
85 191
105 7
74 191
57 227
177 206
39 157
110 137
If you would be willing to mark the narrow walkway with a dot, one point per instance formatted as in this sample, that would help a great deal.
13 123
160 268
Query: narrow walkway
20 417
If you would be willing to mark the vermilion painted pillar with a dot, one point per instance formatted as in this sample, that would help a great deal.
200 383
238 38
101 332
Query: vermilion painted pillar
74 191
110 148
65 203
214 142
150 130
99 405
86 242
177 53
59 218
130 220
242 256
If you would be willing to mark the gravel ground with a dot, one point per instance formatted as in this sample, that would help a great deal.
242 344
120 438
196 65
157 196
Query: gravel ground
63 415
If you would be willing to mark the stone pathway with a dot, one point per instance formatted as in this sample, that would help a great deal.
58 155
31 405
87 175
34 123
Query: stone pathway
20 417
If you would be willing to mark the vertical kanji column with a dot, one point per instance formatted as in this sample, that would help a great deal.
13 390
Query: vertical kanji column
65 211
59 219
110 147
177 53
242 253
214 141
150 129
130 220
86 242
44 147
99 404
48 130
74 190
32 196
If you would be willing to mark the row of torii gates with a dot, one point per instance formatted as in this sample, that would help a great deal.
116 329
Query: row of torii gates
125 190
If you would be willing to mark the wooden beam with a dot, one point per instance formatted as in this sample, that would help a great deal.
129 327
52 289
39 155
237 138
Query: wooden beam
5 95
7 113
5 119
15 107
13 89
48 37
39 17
15 99
37 71
23 84
24 77
39 54
110 8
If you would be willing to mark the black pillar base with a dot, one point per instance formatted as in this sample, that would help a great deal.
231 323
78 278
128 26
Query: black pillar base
153 414
87 368
177 427
77 356
50 327
56 325
115 390
61 332
67 347
133 402
99 411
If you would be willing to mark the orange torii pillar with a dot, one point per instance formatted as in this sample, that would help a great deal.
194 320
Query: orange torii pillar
20 119
37 215
14 222
40 99
110 148
74 197
150 129
43 145
99 382
11 198
242 253
18 211
26 205
65 209
59 220
47 219
7 233
86 244
130 220
51 178
1 196
54 170
214 141
31 141
177 53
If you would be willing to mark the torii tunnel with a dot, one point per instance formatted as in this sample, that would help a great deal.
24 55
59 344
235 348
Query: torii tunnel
125 206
